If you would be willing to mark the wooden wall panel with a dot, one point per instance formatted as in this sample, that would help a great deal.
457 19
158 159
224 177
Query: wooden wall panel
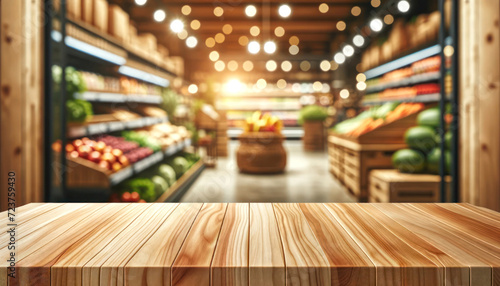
21 99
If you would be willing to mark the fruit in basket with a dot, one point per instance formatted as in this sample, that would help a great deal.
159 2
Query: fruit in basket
95 156
430 117
107 149
105 165
433 159
421 138
116 152
126 197
115 167
134 197
408 161
167 173
110 158
84 151
160 185
259 122
74 154
77 143
99 146
180 166
70 148
123 160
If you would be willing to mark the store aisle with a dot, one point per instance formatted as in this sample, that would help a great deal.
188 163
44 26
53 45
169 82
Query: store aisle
306 180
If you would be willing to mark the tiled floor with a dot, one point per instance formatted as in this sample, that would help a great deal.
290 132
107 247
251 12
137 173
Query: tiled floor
306 180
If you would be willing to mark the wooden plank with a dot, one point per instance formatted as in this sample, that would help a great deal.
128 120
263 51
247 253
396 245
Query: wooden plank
396 262
152 263
68 267
306 263
107 267
266 260
445 238
349 264
482 211
230 260
192 265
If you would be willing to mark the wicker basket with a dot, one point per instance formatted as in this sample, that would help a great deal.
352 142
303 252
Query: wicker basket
261 153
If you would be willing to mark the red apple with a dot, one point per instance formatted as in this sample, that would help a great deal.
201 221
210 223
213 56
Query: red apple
116 167
126 197
107 149
91 144
77 143
95 157
123 160
85 140
134 197
108 157
99 146
69 148
117 152
104 165
74 154
84 151
141 201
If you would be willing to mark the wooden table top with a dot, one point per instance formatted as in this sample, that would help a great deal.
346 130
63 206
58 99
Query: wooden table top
253 244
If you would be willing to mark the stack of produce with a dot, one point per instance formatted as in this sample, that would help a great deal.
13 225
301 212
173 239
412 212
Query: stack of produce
424 153
259 122
312 113
158 136
151 111
376 117
132 86
143 139
97 82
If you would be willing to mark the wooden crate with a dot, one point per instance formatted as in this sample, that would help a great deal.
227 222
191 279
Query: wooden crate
100 15
314 136
356 160
336 161
119 23
391 186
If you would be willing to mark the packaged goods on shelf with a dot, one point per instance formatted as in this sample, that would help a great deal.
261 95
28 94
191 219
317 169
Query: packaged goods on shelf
96 82
151 111
100 15
118 23
87 11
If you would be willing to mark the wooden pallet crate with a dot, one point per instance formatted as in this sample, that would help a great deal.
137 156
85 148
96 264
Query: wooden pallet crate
314 136
356 160
391 186
336 160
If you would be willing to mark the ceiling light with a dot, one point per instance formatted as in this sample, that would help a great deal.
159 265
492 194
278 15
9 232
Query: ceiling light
293 49
323 7
213 56
344 93
227 29
375 3
286 66
193 88
269 47
271 65
182 34
219 66
279 31
334 66
254 31
376 25
210 42
140 2
261 83
361 86
294 40
341 25
186 10
403 6
159 15
253 47
325 65
285 11
233 86
305 66
191 42
220 38
195 24
388 19
250 11
232 65
348 50
358 40
248 66
361 77
356 11
176 26
243 40
339 58
218 11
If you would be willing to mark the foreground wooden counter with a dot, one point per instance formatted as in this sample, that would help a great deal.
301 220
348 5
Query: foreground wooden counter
254 244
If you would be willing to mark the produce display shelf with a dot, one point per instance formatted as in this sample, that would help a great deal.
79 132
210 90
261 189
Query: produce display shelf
113 126
183 183
434 97
254 108
403 61
98 96
147 162
263 95
416 79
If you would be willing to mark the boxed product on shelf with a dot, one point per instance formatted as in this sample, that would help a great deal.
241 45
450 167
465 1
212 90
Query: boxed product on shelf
118 24
151 111
87 10
147 42
73 8
100 15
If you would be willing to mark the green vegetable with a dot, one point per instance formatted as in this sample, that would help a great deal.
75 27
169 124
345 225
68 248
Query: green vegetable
421 138
74 80
170 101
447 140
167 173
382 111
180 166
78 110
145 187
160 185
313 113
430 117
408 161
142 139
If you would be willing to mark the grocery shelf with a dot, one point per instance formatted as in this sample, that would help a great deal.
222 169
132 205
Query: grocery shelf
434 97
113 126
97 96
254 108
403 61
416 79
263 95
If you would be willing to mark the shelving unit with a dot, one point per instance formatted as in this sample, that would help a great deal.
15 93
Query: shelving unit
416 79
111 97
106 127
426 98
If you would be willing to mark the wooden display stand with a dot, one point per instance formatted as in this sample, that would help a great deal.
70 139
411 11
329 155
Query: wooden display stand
222 139
391 186
261 153
314 136
351 162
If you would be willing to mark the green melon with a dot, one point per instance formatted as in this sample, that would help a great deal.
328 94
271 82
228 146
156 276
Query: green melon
433 159
160 185
167 173
430 118
447 140
408 161
180 166
421 138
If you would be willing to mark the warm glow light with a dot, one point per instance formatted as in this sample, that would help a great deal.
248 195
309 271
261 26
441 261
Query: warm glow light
195 24
176 26
339 58
261 83
218 11
361 86
341 25
210 42
182 34
358 40
293 49
284 11
356 11
253 47
191 42
286 66
296 87
325 65
281 83
232 65
323 7
271 65
269 47
219 66
403 6
140 2
376 25
243 40
214 56
375 3
279 31
220 38
248 66
305 65
251 11
325 89
361 77
159 15
227 29
186 10
233 86
254 31
317 86
344 93
388 19
193 88
334 66
448 51
294 40
348 50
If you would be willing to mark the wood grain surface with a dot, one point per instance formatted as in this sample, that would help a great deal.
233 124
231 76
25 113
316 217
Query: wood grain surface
255 244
